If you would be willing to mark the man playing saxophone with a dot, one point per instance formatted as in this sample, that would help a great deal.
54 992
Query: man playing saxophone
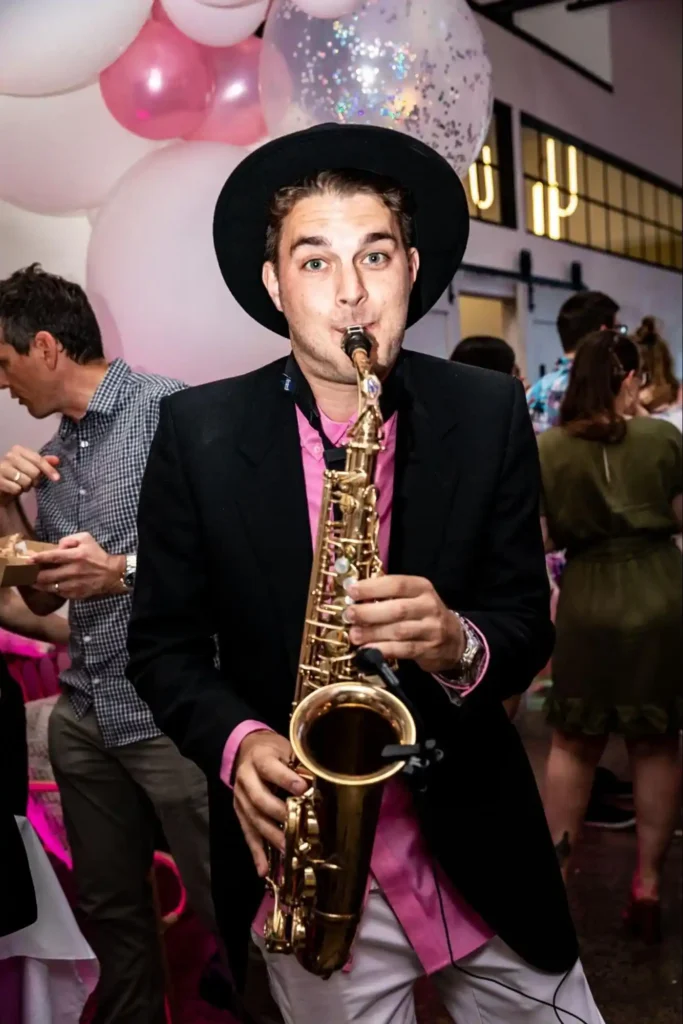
333 229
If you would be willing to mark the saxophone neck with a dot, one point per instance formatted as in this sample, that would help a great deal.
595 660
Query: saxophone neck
358 346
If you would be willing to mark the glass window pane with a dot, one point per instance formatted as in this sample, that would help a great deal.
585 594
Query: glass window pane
634 241
665 247
615 193
632 194
597 222
617 240
663 207
528 195
531 151
647 193
493 212
651 246
576 225
492 141
595 174
677 212
678 252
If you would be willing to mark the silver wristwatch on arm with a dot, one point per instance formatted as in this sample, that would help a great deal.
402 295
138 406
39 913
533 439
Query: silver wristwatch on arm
128 576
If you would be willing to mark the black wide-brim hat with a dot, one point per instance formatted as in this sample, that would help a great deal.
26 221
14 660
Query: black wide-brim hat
441 217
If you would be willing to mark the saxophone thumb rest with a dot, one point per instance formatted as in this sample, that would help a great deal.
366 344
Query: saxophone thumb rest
421 758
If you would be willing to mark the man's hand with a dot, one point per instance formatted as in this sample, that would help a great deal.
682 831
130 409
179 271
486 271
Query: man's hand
404 618
79 568
21 469
263 763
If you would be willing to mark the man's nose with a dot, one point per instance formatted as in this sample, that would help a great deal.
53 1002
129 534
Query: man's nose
352 290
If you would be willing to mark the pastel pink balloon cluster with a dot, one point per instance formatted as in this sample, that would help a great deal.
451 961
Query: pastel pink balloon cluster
191 73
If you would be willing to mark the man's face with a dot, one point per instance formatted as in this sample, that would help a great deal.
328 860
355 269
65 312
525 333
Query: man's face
342 263
27 378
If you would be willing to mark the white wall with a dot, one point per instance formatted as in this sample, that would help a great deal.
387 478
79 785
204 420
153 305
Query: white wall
60 244
583 36
640 122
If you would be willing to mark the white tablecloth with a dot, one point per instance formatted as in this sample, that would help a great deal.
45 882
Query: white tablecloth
59 969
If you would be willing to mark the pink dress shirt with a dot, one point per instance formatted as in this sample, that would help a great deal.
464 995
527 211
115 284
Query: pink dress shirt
401 863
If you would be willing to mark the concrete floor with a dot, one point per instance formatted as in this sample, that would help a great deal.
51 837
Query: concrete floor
632 984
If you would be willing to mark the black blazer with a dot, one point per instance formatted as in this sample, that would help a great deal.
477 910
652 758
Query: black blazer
225 552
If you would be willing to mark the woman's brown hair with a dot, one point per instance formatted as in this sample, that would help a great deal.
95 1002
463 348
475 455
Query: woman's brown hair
662 383
602 362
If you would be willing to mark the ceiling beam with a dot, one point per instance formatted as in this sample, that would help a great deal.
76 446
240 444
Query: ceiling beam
585 5
504 8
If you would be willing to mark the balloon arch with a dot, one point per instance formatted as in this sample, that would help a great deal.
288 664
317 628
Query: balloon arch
135 112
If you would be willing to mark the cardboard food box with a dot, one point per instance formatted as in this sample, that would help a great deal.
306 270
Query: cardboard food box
15 569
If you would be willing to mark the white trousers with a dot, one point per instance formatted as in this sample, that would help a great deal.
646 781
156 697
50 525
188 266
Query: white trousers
379 988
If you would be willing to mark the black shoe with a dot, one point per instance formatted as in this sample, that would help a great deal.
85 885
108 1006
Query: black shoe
609 817
606 784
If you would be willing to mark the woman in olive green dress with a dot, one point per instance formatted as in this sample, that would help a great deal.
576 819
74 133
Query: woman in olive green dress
612 497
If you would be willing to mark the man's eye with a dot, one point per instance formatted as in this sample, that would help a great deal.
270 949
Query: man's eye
376 259
315 264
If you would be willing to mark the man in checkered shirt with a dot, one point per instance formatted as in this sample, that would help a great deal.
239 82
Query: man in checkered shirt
113 766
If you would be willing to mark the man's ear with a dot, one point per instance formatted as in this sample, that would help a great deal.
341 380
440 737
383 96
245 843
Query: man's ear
46 348
270 280
414 265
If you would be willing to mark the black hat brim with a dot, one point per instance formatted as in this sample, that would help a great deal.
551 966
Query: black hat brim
441 216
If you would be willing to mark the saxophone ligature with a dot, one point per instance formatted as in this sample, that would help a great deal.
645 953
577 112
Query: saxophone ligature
342 719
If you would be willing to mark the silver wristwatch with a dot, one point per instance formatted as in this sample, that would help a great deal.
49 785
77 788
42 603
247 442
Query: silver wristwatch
467 668
128 578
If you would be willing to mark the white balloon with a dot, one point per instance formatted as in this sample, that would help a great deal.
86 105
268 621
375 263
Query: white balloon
225 3
328 8
153 277
213 25
64 153
49 46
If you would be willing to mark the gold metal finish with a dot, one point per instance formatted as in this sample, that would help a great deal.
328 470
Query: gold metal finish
341 720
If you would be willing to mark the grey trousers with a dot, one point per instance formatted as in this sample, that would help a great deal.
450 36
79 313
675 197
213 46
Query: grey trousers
108 797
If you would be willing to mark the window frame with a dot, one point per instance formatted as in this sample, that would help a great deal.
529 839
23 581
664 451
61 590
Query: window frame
611 212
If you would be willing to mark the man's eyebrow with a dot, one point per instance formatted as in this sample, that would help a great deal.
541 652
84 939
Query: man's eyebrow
315 240
379 236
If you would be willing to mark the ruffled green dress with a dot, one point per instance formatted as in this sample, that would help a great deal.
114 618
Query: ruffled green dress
619 650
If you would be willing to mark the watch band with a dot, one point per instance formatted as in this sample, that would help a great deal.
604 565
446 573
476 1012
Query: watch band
467 668
128 575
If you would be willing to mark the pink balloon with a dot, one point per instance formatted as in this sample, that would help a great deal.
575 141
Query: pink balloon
235 115
159 14
161 87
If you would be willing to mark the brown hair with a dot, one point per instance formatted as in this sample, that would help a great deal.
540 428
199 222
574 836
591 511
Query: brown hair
658 364
602 362
340 183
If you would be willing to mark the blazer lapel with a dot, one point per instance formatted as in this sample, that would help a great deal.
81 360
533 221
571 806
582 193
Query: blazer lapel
428 470
272 500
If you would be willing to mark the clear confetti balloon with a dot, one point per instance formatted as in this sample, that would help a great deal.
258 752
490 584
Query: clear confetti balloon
418 66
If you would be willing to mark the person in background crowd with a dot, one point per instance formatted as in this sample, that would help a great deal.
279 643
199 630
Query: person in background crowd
580 315
612 497
490 353
661 393
112 765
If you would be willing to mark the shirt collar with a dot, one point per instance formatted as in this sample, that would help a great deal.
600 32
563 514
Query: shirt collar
109 391
310 438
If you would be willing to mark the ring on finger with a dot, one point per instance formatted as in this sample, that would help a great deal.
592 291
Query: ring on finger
17 477
55 587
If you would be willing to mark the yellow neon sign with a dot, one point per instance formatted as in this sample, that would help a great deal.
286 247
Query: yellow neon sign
489 192
556 212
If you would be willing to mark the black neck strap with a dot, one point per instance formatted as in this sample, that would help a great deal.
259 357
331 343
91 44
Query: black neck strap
294 383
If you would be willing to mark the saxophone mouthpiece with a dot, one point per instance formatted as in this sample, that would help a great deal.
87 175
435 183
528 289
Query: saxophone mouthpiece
357 340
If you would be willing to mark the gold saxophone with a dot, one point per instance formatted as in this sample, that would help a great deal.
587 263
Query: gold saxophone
341 719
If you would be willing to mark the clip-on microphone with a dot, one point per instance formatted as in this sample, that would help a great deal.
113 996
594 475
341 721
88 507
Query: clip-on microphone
421 757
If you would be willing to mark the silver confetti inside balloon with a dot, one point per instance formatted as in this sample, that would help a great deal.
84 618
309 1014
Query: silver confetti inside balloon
418 66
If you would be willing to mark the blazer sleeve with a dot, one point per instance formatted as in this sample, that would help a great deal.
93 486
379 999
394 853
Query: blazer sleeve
172 653
511 598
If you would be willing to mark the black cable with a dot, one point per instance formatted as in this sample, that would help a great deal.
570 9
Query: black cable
478 977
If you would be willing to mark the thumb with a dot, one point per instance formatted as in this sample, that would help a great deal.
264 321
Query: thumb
69 542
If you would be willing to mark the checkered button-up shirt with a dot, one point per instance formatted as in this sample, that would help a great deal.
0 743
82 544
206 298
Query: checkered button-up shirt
101 461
